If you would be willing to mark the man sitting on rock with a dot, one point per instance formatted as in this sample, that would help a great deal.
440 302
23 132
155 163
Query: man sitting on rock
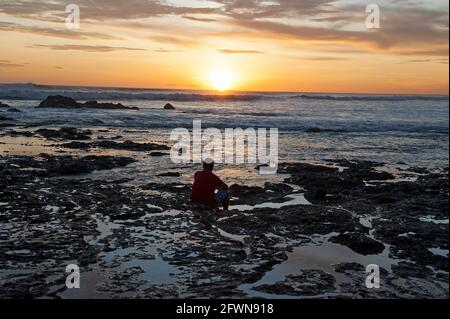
206 183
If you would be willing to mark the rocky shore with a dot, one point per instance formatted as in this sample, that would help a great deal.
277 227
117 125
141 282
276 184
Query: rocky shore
324 222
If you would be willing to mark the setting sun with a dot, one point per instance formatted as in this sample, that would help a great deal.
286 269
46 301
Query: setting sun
221 80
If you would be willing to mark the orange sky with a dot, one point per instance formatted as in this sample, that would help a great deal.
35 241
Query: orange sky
251 45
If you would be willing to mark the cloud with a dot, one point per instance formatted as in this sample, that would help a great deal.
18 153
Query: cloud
99 10
162 50
199 19
444 51
86 48
228 51
8 64
399 31
441 61
174 40
405 24
324 58
420 61
256 9
60 33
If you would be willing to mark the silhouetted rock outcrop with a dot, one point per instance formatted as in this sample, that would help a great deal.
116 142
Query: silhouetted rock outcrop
3 105
59 101
322 130
169 106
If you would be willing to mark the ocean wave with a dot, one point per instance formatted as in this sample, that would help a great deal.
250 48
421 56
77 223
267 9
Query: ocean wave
381 98
36 92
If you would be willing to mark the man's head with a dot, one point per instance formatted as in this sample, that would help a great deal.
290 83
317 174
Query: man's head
208 164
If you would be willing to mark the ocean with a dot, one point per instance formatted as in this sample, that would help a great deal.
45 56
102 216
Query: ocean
394 129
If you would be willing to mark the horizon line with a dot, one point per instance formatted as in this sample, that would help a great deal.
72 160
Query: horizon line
227 92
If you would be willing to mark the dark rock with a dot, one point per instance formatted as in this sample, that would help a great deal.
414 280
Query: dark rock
316 194
282 188
131 146
170 174
349 267
117 137
3 105
75 145
169 106
59 101
109 106
21 133
12 109
158 154
65 133
47 166
251 195
180 189
308 283
289 222
72 166
321 130
325 183
409 270
359 243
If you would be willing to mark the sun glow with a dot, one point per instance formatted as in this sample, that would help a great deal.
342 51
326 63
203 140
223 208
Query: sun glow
220 79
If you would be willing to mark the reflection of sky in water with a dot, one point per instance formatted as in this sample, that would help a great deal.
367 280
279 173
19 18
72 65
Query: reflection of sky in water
320 255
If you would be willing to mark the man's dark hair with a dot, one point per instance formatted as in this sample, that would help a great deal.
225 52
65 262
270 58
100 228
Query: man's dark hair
208 166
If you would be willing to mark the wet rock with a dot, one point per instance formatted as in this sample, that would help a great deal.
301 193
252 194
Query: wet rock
2 105
59 101
322 130
409 270
54 219
117 137
171 188
16 169
278 187
75 145
14 110
359 243
307 283
290 222
170 174
158 154
169 106
65 133
131 146
252 195
325 183
109 106
316 194
349 267
21 133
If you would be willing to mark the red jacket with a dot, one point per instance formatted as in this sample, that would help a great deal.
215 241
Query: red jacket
204 188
